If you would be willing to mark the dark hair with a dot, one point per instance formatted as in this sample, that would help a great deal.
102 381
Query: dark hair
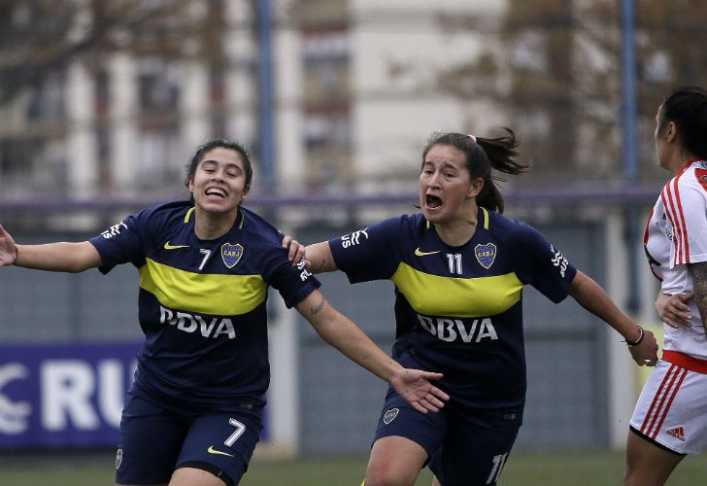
687 108
220 143
482 155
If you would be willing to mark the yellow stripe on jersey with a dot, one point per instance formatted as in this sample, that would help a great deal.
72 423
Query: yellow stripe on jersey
457 297
187 216
223 295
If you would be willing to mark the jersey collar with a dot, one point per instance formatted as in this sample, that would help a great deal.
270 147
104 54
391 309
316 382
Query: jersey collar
240 217
483 216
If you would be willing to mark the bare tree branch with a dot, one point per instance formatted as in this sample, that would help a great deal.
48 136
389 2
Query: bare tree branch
42 37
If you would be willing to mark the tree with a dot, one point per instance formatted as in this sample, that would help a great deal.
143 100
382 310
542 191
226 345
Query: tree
42 37
563 94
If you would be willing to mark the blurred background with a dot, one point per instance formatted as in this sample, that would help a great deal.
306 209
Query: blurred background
103 102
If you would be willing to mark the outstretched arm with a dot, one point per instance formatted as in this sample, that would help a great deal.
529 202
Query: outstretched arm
317 256
8 248
591 296
342 333
320 257
55 257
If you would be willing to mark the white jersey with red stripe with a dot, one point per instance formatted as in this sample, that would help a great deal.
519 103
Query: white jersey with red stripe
675 237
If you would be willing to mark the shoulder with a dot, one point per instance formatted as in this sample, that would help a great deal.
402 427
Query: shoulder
259 230
520 238
414 221
410 222
686 189
163 214
167 210
407 224
693 176
395 226
405 227
511 230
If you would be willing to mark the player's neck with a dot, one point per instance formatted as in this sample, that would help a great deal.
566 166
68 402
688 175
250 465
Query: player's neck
210 226
460 230
680 160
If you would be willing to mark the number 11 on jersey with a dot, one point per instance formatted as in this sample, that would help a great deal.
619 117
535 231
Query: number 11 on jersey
455 263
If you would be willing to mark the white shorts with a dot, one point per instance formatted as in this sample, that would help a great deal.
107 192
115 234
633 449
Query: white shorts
672 408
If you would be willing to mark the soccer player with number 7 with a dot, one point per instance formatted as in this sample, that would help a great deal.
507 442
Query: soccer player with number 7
194 412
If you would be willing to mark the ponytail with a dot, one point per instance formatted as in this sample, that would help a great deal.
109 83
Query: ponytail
500 153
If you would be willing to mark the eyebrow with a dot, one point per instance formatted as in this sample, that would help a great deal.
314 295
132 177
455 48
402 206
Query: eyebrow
444 164
216 162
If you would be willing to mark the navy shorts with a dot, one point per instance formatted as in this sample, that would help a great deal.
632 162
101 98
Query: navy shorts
464 446
156 440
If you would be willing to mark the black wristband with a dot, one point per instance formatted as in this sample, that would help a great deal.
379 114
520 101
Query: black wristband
640 338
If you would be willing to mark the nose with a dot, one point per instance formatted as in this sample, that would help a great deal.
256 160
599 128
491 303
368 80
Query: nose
217 176
433 179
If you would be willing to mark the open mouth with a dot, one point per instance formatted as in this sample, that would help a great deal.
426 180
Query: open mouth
432 202
215 192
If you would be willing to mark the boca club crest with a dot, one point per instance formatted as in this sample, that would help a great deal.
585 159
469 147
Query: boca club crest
390 415
485 254
231 254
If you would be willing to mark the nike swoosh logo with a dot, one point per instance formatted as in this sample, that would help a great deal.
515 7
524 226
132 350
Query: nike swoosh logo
420 253
169 246
211 450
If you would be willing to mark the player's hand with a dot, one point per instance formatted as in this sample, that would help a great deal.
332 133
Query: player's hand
295 250
673 309
415 387
8 248
645 353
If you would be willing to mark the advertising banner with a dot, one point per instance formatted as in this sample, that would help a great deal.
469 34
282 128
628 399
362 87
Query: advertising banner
63 395
66 395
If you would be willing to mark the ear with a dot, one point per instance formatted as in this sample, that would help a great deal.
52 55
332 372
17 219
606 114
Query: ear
190 184
475 187
671 132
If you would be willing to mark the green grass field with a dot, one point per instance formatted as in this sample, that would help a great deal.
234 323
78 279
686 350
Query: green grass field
548 469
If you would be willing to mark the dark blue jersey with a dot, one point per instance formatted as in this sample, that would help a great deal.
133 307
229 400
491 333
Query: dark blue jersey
458 310
202 303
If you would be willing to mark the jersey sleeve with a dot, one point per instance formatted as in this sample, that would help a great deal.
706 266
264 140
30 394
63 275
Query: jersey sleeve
123 242
685 200
294 283
541 264
370 253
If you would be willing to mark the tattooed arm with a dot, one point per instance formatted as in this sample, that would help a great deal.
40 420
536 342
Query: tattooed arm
699 279
342 333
